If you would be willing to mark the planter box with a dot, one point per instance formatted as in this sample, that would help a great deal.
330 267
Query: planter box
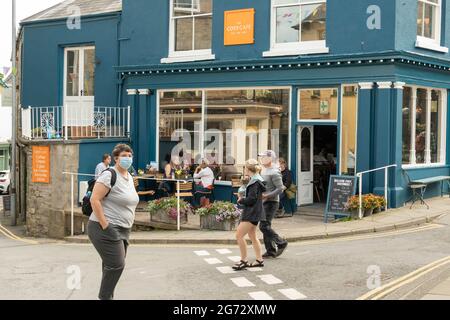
163 217
209 223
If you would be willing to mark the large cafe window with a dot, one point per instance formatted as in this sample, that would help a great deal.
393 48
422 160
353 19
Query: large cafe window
424 126
190 31
226 126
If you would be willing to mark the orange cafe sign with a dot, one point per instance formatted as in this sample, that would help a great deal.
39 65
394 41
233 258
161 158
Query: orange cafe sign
40 165
239 27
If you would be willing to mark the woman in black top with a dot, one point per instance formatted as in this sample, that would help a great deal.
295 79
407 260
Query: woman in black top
251 216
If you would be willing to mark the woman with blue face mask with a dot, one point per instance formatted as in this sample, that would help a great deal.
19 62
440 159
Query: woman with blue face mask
114 201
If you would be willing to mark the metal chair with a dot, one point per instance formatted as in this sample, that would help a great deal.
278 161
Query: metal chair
418 190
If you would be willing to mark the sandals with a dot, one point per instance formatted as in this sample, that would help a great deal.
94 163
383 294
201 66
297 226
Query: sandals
242 265
257 264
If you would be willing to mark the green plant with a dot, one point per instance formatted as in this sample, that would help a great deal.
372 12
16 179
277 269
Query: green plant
369 202
170 207
221 210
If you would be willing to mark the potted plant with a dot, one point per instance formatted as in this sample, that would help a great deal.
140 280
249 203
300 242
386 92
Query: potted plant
353 206
381 204
165 210
219 215
370 203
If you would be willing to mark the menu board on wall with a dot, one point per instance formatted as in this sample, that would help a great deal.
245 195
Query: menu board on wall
40 164
239 27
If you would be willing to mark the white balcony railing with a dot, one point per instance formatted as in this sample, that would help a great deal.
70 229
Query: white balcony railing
65 123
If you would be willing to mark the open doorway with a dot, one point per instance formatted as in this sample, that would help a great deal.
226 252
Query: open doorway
317 157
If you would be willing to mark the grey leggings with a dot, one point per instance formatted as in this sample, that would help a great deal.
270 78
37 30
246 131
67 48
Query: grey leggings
112 245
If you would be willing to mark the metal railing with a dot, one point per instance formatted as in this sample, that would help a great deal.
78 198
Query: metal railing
72 197
386 182
75 122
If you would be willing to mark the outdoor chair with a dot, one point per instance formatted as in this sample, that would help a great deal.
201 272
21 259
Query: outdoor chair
185 190
418 190
236 183
208 194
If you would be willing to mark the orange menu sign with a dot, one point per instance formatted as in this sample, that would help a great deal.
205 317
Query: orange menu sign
239 27
40 165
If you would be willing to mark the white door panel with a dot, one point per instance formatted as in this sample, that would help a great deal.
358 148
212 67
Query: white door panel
306 165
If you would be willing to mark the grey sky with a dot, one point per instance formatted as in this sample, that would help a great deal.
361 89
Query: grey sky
25 8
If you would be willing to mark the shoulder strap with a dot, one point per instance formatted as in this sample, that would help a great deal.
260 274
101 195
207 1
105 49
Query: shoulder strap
113 179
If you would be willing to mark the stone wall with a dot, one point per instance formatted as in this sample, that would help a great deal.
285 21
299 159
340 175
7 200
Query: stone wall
46 203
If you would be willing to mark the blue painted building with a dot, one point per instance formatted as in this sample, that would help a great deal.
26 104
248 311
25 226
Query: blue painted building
333 88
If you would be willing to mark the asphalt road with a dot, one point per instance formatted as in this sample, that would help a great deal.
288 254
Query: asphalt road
330 269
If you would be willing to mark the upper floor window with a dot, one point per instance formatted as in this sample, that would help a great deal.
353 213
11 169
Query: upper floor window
190 31
298 27
429 20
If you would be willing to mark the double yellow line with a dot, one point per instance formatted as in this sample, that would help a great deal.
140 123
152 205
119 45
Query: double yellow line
13 237
389 288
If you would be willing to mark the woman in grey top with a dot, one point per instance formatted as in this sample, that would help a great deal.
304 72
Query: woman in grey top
114 201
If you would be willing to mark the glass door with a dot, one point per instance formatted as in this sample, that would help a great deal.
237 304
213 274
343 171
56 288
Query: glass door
306 165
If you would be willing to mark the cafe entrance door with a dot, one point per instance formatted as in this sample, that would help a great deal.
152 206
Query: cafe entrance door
317 161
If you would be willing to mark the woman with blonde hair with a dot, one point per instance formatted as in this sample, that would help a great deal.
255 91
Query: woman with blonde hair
252 201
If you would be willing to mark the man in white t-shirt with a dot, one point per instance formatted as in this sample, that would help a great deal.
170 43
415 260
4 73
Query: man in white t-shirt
206 176
102 166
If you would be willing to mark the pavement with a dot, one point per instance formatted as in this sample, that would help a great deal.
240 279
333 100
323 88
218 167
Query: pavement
298 228
439 292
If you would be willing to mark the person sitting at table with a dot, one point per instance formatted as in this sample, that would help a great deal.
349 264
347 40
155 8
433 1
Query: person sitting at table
206 176
229 171
167 188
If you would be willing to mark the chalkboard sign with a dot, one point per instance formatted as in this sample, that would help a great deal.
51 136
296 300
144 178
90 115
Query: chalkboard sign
6 203
339 192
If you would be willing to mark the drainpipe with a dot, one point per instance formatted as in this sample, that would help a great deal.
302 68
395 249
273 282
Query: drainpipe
120 78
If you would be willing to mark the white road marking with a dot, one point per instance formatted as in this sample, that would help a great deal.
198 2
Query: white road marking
270 279
224 251
213 261
202 253
226 270
235 259
242 282
260 295
292 294
255 269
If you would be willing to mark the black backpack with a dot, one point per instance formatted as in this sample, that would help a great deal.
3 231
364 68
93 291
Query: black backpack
86 206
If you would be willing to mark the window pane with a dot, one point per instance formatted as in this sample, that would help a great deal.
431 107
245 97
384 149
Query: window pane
202 6
314 106
287 28
313 22
73 73
182 7
348 130
429 21
203 31
242 123
406 110
278 2
180 113
89 72
435 125
421 125
420 19
183 34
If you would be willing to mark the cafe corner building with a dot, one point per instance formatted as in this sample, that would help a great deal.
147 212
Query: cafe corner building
334 89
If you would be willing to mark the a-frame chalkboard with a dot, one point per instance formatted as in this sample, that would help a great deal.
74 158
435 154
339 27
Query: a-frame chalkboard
339 192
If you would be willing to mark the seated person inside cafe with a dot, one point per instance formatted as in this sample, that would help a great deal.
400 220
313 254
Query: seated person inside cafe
205 185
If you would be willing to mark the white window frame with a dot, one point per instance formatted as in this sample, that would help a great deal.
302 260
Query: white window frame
331 121
442 150
189 55
292 48
433 43
204 115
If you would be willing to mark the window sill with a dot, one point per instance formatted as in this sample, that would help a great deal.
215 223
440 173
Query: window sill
189 58
424 44
423 166
294 52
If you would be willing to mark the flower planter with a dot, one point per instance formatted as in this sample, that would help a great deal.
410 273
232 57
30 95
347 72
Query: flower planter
161 216
377 210
368 212
209 222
